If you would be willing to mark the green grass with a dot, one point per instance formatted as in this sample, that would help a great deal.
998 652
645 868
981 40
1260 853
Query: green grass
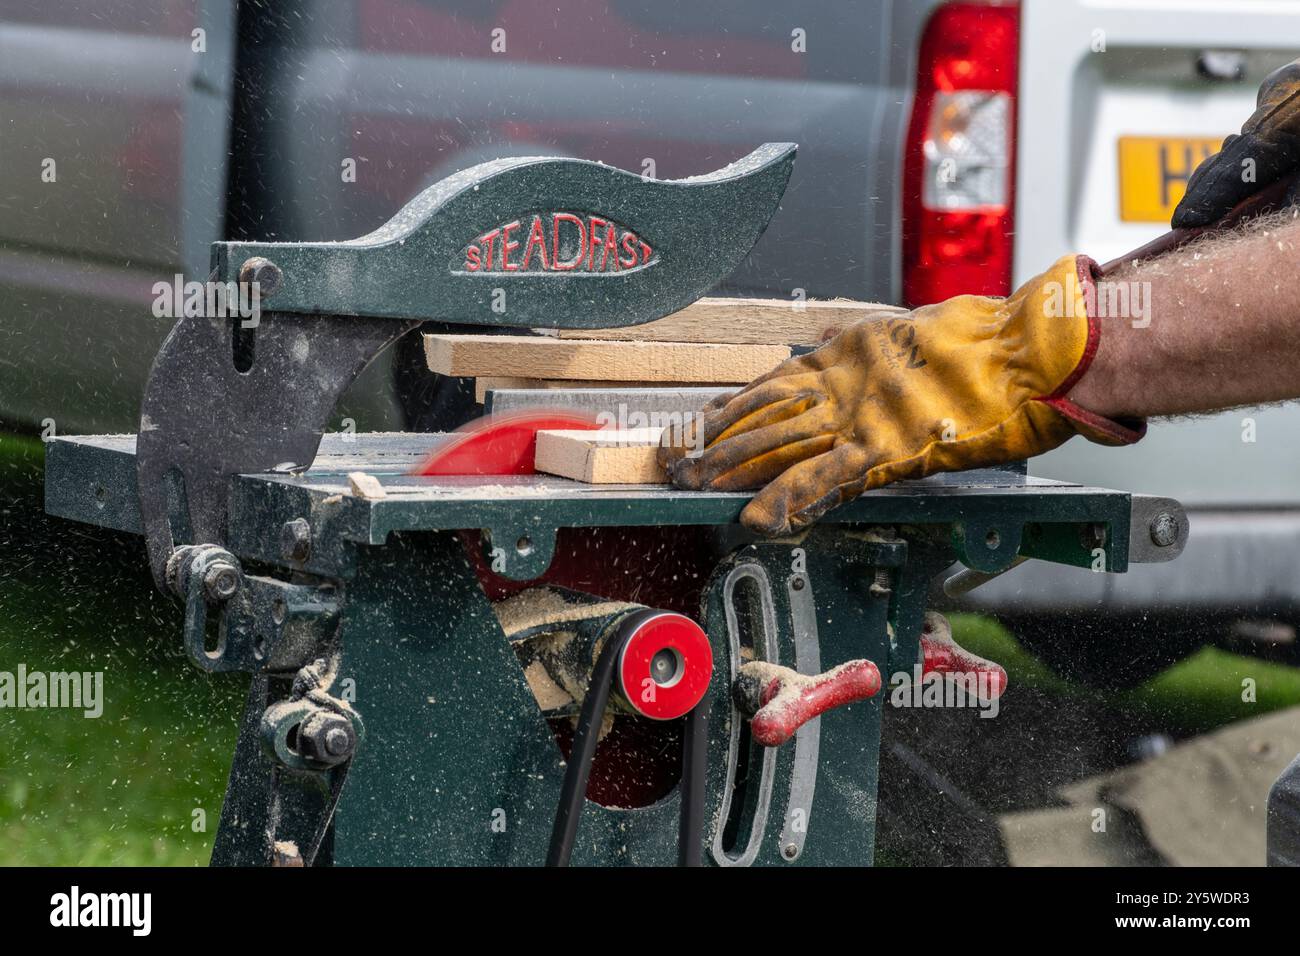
1195 695
122 789
1204 691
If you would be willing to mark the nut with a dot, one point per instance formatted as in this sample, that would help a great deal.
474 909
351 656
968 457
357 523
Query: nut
327 738
221 581
337 742
295 540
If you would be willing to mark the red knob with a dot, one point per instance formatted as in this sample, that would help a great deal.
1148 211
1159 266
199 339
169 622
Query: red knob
940 654
781 700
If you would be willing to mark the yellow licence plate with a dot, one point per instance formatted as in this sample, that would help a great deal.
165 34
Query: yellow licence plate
1153 172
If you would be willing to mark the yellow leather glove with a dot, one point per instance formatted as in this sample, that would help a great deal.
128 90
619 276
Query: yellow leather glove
966 383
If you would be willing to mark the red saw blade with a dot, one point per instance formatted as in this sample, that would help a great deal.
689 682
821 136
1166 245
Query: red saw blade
500 444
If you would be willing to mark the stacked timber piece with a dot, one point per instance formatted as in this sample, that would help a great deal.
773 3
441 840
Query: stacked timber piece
717 343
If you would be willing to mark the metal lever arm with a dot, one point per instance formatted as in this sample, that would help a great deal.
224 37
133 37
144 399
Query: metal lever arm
779 700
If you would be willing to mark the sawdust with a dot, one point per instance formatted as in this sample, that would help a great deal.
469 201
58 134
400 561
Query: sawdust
549 694
538 606
557 665
367 486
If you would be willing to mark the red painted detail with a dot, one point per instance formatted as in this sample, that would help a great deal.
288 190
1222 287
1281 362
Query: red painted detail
791 700
594 240
536 240
940 654
639 762
508 247
629 246
687 640
488 240
557 263
499 444
598 241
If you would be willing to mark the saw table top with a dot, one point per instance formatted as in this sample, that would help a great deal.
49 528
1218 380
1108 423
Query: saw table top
92 479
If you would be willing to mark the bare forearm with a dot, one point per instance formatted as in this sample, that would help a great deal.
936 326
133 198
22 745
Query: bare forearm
1213 325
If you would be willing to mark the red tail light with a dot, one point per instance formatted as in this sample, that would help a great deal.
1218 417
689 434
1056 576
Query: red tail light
959 167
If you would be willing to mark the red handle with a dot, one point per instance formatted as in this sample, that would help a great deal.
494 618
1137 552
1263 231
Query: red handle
782 700
940 654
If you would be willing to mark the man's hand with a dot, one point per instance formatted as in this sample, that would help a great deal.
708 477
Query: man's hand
1267 150
970 382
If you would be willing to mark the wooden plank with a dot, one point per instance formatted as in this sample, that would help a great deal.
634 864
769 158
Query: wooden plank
745 321
621 407
531 356
485 383
604 457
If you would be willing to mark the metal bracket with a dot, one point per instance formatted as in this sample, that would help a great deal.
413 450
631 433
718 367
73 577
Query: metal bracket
264 624
808 739
569 243
766 648
1158 529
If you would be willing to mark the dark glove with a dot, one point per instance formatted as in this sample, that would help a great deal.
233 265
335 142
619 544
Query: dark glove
1267 150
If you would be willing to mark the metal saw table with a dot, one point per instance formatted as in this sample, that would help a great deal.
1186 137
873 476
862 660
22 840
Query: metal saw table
501 668
453 734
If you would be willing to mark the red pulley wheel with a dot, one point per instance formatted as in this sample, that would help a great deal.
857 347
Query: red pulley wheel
666 664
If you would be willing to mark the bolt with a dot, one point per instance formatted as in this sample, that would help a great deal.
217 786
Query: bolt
797 584
295 540
880 585
1164 529
221 581
790 851
265 273
337 742
665 666
327 738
